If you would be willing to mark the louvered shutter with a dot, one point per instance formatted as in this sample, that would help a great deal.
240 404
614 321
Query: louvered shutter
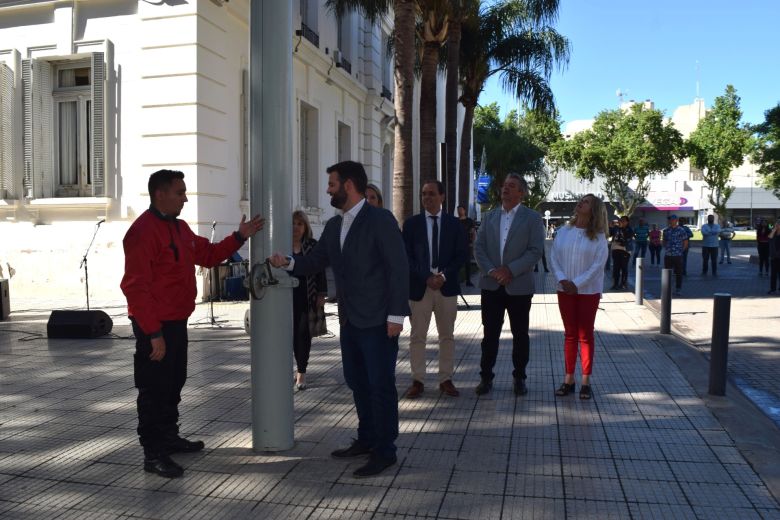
97 131
42 121
27 134
6 131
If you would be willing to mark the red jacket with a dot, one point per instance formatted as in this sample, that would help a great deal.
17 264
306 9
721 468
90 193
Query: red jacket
160 259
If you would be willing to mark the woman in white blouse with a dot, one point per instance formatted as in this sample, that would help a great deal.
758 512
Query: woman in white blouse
578 256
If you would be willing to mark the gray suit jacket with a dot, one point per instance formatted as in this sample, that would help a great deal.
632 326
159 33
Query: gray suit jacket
372 271
524 246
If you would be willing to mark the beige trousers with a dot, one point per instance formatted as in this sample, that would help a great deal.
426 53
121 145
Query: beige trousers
445 309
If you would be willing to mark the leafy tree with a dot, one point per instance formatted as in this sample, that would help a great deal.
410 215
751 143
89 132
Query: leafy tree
514 39
766 152
404 55
624 149
718 145
516 145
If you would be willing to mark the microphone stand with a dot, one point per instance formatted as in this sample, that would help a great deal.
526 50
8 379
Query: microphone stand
212 319
84 259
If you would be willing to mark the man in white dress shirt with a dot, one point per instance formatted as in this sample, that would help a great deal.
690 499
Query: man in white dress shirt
508 246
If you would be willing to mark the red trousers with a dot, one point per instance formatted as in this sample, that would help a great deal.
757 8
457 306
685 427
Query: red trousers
578 312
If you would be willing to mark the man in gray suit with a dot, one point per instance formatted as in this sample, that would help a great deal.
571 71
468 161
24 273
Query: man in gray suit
509 243
365 249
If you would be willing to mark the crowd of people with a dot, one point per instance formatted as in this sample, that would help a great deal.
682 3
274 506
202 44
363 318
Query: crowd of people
383 273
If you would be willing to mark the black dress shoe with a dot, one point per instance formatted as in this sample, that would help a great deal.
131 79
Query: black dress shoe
565 389
585 392
483 387
163 465
374 466
182 445
356 449
519 387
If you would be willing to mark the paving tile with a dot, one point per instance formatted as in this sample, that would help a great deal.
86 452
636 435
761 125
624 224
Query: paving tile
653 492
521 508
201 483
760 497
715 495
27 511
641 511
644 469
65 494
322 513
480 482
587 488
588 467
353 497
245 486
534 486
712 472
430 479
304 493
468 506
411 502
100 473
22 489
596 510
719 513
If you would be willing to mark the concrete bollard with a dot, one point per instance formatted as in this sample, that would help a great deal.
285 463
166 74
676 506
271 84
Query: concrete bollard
719 348
666 301
639 281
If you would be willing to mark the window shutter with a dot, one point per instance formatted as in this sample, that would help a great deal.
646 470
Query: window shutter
302 145
27 123
42 121
98 125
6 131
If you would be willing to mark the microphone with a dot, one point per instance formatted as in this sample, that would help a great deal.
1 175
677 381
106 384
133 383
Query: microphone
213 224
101 221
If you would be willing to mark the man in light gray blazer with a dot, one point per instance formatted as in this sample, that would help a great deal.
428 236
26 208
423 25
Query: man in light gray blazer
509 244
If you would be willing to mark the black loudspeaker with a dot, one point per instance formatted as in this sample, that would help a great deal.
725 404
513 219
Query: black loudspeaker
5 301
78 324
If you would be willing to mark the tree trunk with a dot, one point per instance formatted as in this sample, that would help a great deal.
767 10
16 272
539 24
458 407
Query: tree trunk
465 161
451 116
403 170
430 62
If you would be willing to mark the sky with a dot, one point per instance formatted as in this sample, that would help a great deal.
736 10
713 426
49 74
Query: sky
650 50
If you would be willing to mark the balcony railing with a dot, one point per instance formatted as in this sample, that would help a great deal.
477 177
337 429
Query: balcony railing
310 35
346 65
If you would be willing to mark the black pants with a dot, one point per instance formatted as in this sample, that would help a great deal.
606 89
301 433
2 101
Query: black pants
775 274
159 385
655 254
620 267
640 250
675 263
301 333
709 254
494 304
763 257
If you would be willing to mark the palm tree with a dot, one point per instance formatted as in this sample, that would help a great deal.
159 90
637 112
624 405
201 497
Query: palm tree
514 39
403 51
432 33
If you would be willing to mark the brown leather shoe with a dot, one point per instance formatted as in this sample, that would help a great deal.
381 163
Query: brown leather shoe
448 388
415 390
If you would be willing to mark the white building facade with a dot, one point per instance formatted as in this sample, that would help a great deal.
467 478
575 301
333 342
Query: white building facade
98 94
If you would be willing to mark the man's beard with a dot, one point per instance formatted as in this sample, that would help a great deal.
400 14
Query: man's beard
338 199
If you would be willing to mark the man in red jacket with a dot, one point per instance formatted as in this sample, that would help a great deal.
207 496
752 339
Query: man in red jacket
161 252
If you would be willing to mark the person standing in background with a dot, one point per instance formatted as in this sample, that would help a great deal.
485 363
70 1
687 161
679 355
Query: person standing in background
620 254
641 234
687 248
726 235
762 243
654 237
709 245
470 228
374 196
675 243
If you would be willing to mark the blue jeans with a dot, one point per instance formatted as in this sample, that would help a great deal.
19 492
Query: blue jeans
725 250
640 250
369 358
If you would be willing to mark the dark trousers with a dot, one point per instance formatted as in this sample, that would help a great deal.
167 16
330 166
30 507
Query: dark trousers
640 250
494 304
655 254
159 385
685 262
301 333
775 273
676 264
709 254
620 267
763 257
369 359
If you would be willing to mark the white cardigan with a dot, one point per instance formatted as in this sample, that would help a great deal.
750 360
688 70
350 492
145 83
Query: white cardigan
577 258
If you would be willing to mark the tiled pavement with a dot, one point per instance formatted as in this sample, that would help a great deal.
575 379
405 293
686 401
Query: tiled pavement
645 447
754 335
